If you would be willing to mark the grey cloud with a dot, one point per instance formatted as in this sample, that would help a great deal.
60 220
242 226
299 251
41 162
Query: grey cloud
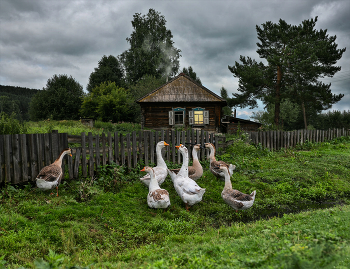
41 38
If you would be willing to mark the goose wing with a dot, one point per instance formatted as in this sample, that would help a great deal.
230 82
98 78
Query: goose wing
50 173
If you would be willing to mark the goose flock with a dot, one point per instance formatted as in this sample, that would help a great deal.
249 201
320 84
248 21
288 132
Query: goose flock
184 179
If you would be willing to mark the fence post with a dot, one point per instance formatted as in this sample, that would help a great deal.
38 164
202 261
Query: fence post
128 145
83 154
134 149
91 154
110 148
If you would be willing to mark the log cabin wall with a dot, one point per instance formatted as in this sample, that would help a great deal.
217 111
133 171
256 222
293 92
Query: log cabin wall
156 115
181 92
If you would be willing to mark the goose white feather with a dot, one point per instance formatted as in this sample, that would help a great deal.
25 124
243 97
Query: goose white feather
195 171
160 171
157 197
186 188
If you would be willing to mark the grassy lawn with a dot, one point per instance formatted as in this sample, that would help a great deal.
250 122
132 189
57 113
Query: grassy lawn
105 222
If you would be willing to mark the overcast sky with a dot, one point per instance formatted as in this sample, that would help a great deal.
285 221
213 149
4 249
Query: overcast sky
41 38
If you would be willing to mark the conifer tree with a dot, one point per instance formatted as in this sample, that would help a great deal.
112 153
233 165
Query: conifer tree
297 57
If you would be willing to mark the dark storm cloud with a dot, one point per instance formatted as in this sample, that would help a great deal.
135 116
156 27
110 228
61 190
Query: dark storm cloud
41 38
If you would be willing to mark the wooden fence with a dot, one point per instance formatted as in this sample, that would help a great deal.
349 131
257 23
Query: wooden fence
275 140
23 155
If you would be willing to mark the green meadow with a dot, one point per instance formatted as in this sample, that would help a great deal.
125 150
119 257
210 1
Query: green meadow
300 218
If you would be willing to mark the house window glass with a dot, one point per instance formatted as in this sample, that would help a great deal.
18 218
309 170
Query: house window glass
198 117
179 117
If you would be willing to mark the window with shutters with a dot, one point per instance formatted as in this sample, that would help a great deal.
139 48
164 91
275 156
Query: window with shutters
198 116
177 116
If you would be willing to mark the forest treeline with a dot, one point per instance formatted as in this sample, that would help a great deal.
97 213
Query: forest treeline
16 100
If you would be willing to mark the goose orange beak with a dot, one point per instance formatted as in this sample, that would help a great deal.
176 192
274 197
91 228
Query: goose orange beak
177 147
166 144
143 170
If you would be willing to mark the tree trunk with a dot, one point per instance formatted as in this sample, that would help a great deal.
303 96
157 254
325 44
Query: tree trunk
304 114
278 96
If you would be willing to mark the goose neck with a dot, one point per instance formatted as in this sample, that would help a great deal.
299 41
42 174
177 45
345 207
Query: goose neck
228 183
160 160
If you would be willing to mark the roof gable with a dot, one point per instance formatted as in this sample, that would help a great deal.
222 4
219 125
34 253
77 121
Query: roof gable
181 89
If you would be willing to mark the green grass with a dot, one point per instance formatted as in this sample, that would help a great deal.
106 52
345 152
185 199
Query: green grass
105 222
76 127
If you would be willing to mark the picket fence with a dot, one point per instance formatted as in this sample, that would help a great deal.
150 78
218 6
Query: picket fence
22 156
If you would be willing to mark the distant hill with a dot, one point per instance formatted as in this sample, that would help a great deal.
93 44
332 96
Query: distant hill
16 99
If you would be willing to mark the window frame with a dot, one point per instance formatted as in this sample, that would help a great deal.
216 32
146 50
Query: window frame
191 116
172 116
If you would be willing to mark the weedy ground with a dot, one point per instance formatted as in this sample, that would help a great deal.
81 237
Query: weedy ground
104 222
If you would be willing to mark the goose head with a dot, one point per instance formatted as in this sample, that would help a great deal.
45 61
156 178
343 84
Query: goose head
148 170
182 148
162 144
223 168
68 151
197 147
209 145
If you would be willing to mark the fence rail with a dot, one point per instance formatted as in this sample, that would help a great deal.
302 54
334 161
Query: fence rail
22 156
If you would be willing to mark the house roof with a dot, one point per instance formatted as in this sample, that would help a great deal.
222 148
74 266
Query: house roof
181 89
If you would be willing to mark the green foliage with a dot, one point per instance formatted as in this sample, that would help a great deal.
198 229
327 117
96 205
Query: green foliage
190 73
123 127
143 86
289 74
108 102
10 125
109 69
16 99
289 115
227 110
332 119
152 50
59 100
76 127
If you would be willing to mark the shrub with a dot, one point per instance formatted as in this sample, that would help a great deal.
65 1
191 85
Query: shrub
10 125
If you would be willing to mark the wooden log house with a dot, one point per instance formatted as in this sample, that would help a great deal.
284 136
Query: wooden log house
181 102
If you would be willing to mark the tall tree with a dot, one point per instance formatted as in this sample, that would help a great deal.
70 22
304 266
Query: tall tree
59 100
189 72
109 69
297 56
152 50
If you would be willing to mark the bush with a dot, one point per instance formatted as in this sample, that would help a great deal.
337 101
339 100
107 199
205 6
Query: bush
10 125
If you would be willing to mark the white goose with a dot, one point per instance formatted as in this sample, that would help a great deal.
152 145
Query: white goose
50 176
157 197
234 198
186 188
196 170
160 171
214 164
